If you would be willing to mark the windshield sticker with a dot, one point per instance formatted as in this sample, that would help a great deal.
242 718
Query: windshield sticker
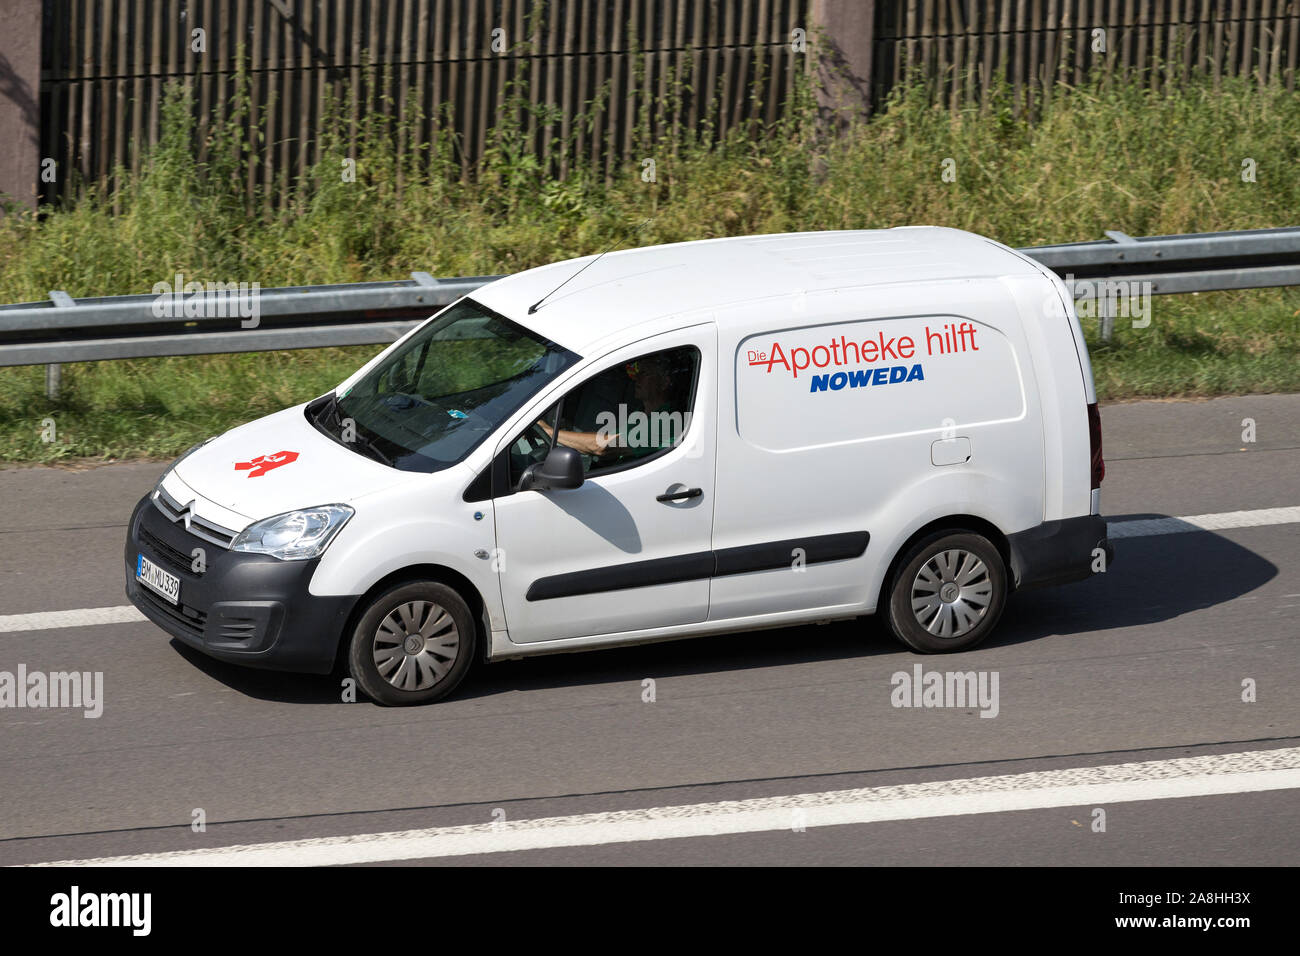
260 465
456 413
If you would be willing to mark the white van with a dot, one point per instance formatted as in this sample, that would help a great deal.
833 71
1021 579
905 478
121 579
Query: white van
653 444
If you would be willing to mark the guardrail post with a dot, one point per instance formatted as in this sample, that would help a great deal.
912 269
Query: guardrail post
53 377
1106 315
1104 311
54 372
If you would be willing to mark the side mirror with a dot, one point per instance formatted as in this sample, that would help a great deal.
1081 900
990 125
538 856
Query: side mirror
561 470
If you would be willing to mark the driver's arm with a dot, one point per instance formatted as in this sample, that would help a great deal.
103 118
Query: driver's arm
589 443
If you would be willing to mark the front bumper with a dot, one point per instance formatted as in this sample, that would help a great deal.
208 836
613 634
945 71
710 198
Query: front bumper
1055 552
248 609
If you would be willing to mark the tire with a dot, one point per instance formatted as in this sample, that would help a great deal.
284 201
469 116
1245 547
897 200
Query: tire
940 602
385 654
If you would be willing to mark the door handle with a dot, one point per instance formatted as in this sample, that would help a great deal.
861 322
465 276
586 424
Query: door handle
680 495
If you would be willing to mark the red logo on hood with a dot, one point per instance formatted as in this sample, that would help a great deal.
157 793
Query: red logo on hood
263 463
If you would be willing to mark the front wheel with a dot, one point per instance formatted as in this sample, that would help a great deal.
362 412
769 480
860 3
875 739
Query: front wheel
948 593
413 645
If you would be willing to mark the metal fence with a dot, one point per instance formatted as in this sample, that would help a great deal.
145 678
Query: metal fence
605 66
960 45
64 329
693 62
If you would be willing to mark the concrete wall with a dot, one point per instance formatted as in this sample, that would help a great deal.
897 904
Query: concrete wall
20 112
846 32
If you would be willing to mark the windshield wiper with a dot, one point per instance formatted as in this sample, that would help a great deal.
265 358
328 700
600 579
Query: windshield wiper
337 433
374 450
331 406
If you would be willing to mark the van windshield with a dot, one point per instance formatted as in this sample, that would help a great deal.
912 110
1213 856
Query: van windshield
450 385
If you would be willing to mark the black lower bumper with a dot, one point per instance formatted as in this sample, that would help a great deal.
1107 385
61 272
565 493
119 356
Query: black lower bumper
244 608
1059 551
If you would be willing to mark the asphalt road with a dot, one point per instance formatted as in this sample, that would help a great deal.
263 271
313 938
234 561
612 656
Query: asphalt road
1144 664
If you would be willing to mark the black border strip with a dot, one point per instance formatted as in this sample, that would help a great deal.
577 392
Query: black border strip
781 554
617 577
769 556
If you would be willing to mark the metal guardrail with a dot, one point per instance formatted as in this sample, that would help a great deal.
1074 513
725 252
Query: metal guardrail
127 326
1120 265
1200 262
369 313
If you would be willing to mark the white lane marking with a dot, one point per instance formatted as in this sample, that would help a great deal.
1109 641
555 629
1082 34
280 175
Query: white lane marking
81 617
1249 772
1141 527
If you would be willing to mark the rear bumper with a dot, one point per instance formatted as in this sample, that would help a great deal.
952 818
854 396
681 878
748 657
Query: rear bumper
1059 551
243 608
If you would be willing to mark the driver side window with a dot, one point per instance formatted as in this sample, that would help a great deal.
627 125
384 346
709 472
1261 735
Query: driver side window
617 418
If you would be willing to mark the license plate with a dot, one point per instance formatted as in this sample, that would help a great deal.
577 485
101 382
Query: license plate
156 579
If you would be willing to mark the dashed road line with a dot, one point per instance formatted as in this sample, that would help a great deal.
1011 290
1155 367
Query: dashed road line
1142 527
81 617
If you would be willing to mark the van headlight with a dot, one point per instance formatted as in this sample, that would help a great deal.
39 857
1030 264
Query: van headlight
295 535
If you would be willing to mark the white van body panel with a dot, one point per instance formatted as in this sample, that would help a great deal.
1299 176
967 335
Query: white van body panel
1061 395
1083 361
633 293
419 523
615 519
984 419
879 479
322 472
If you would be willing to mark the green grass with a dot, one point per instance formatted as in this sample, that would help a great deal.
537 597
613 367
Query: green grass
1098 158
1220 343
156 408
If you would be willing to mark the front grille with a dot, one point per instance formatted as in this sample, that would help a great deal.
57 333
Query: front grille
190 620
177 558
174 511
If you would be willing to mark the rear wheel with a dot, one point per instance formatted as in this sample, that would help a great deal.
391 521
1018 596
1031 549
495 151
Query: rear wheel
948 592
413 645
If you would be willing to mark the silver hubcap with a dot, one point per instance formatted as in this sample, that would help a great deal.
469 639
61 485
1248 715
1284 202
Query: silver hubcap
951 593
416 645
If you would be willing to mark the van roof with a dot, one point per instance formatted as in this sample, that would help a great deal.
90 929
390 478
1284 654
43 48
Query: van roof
632 287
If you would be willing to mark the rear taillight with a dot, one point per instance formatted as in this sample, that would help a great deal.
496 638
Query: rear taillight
1094 443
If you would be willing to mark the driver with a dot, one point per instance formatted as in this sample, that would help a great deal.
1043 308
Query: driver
653 388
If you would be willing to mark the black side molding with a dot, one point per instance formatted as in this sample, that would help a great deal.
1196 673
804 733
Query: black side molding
616 577
781 554
768 556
